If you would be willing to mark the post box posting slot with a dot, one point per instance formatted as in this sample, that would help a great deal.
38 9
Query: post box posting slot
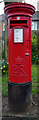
18 22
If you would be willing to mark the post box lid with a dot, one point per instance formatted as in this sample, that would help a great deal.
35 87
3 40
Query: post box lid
19 9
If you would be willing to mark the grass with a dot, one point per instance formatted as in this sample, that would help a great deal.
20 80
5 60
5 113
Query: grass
0 84
34 78
34 82
5 85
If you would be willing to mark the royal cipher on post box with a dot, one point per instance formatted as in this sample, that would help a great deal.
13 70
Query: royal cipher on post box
19 55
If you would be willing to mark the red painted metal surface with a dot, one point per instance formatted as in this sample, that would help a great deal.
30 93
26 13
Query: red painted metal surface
19 53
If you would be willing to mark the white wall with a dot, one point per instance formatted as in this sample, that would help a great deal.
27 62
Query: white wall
34 25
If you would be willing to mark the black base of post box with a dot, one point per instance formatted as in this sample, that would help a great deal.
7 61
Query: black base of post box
19 97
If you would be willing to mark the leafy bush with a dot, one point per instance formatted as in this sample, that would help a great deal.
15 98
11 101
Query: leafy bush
35 56
4 67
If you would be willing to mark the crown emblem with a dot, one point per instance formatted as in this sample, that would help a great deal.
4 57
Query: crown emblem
18 60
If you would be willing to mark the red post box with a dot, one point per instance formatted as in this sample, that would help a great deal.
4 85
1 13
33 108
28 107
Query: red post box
19 55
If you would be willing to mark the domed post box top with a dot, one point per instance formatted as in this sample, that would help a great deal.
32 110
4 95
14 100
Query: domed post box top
19 9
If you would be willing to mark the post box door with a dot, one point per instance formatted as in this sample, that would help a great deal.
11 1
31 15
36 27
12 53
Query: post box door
19 55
